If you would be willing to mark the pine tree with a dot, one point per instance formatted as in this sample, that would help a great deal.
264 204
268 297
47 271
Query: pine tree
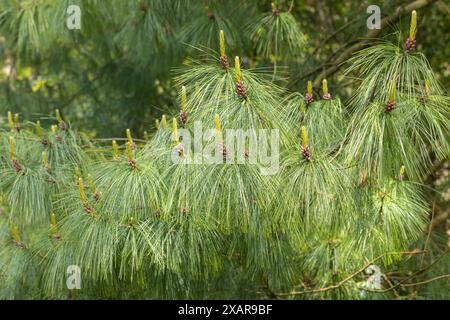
153 218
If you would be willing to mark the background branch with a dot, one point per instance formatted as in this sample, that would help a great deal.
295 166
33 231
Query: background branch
365 41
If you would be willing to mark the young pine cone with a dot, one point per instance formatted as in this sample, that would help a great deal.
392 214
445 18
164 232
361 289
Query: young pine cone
180 150
410 45
224 150
20 245
132 164
16 165
44 142
306 153
96 196
275 11
309 98
224 62
62 126
327 96
56 236
390 106
183 117
211 16
87 208
241 90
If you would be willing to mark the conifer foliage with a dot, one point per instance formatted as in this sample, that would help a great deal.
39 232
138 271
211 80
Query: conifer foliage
156 218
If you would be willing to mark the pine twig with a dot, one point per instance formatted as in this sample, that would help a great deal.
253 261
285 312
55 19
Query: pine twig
351 276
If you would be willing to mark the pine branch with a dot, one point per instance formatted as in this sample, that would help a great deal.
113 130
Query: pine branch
420 271
351 276
366 40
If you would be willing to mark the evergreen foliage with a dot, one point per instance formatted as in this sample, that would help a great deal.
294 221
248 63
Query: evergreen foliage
350 193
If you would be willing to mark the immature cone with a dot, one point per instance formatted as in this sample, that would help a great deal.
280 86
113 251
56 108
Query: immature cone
44 141
275 10
427 87
45 162
86 206
391 101
131 161
221 146
54 129
309 93
241 90
12 152
362 178
62 124
183 112
223 149
15 235
326 94
410 43
401 175
115 149
218 127
164 121
157 124
16 165
130 139
81 189
179 149
16 122
58 115
38 129
10 121
223 57
305 148
176 139
92 188
14 232
426 92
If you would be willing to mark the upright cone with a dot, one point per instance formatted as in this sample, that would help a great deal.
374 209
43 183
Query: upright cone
309 98
304 147
241 90
223 57
410 43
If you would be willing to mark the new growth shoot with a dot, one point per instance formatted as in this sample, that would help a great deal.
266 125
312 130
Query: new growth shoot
326 94
309 98
223 57
391 100
241 90
305 147
410 43
183 112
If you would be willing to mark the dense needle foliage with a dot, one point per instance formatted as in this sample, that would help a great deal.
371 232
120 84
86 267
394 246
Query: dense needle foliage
153 217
